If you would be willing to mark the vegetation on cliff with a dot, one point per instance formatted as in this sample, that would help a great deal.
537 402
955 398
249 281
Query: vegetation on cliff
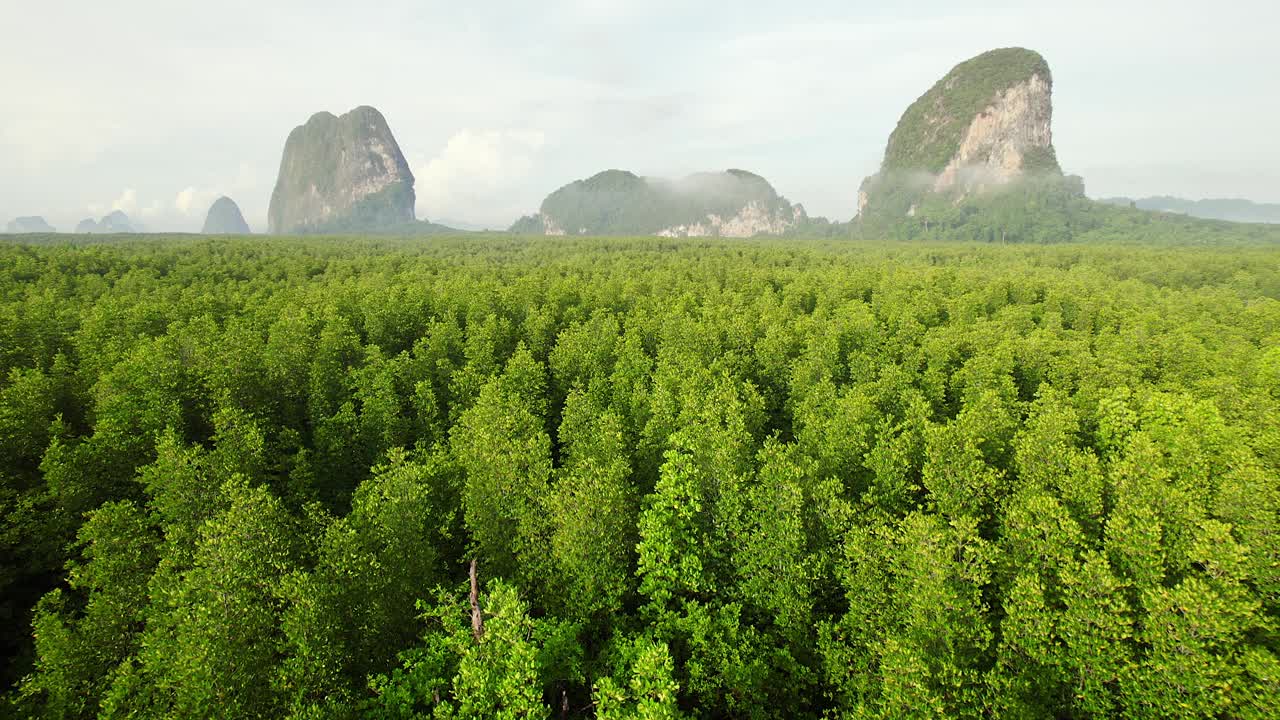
928 135
1014 190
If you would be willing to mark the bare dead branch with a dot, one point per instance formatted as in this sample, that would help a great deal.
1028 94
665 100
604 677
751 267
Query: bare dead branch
477 620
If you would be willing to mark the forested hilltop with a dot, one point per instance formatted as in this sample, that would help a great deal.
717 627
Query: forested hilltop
733 203
762 479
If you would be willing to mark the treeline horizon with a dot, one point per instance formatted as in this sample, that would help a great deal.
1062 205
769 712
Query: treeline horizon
1041 207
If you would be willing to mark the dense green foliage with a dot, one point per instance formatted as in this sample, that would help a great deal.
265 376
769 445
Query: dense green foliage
930 130
617 202
246 478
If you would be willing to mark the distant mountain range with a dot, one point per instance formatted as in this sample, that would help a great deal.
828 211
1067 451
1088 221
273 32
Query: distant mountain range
114 222
468 226
1233 209
29 224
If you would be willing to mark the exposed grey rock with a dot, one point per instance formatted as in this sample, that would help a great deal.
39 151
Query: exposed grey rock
341 174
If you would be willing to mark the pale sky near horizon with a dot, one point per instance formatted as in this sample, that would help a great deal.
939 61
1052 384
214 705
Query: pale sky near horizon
157 108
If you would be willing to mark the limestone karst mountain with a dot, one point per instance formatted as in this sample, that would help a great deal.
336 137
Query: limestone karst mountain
733 203
114 222
224 218
341 174
117 222
985 125
29 224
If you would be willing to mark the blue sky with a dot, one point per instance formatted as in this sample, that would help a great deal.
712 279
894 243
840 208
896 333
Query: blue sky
158 107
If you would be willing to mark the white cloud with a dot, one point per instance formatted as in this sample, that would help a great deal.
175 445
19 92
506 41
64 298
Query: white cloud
184 201
153 210
247 178
185 212
477 176
194 202
127 202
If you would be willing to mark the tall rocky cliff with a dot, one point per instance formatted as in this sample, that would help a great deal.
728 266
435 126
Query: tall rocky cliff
986 124
734 203
224 218
341 174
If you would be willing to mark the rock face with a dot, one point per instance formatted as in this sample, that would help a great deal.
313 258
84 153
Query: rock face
224 218
114 222
341 174
29 224
986 124
997 143
734 203
753 219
